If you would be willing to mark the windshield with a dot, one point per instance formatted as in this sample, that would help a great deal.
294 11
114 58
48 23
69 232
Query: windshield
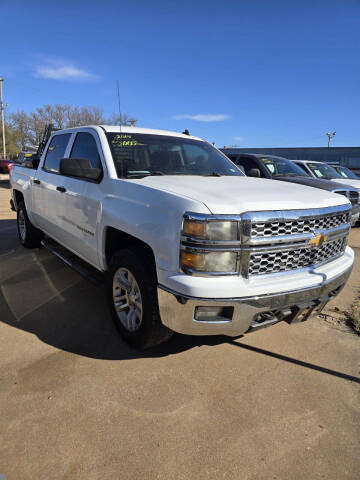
279 167
138 155
346 172
322 170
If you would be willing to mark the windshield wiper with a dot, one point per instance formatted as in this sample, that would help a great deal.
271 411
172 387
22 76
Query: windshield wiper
144 174
213 174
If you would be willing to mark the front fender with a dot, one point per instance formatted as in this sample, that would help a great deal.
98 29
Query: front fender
152 216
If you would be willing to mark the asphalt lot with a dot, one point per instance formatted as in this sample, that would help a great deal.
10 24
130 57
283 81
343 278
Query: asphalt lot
77 403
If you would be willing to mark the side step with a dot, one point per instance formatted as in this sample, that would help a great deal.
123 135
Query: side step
74 262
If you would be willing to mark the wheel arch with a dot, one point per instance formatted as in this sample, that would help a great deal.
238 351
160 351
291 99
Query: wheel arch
116 239
18 197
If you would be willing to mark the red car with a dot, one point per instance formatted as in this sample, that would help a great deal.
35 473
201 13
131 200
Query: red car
5 165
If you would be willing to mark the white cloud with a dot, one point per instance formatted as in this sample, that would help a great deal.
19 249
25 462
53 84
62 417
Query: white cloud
239 138
62 70
203 117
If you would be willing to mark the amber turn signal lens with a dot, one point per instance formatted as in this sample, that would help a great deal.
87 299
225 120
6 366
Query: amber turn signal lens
192 260
194 229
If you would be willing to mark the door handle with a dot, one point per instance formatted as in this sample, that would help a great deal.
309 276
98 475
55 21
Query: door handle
61 189
37 182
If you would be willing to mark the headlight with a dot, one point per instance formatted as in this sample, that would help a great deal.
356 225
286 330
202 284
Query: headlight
218 262
215 231
209 244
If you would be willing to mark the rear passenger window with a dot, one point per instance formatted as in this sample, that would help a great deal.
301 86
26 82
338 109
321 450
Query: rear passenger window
56 152
85 147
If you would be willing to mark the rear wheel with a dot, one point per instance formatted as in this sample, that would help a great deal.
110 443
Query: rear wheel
132 296
29 236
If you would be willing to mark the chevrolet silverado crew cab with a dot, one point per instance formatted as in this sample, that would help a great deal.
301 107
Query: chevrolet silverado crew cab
184 241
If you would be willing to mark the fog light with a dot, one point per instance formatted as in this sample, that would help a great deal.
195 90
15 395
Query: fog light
214 314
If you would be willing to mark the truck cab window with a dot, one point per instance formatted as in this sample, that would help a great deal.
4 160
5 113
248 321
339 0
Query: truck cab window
85 147
56 152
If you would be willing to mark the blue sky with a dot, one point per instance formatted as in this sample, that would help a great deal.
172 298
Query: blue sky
252 73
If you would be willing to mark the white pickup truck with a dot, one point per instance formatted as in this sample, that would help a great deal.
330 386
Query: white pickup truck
184 241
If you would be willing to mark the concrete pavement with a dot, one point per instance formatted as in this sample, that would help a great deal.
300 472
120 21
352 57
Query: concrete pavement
77 403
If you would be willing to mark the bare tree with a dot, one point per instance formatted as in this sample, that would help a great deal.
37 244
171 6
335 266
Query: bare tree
27 128
19 124
86 116
123 119
13 143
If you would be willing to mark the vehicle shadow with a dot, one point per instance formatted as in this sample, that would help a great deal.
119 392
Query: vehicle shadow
42 296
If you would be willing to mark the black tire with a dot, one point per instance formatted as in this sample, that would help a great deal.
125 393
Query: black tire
29 236
151 331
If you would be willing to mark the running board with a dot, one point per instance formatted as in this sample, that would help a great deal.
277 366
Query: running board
74 262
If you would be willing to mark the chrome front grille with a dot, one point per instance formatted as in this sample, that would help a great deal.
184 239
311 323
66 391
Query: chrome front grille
291 227
281 241
282 261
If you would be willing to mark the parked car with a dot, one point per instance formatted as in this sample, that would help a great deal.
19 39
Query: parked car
344 171
325 171
183 240
5 165
279 168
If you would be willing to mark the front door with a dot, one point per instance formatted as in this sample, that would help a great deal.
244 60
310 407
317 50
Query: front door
48 194
83 201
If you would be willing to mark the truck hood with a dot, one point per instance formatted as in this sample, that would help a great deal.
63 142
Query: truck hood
348 181
316 182
234 195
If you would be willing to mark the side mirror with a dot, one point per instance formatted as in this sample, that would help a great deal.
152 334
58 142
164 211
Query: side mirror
254 172
79 167
32 162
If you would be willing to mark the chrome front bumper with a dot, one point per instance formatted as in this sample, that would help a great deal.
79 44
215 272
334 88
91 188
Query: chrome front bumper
248 313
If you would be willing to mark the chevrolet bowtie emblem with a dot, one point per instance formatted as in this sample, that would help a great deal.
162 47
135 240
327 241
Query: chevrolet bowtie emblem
318 240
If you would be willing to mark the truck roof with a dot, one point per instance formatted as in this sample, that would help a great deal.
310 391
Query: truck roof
128 129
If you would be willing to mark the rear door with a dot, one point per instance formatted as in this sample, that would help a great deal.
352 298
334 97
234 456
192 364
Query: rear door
48 188
83 199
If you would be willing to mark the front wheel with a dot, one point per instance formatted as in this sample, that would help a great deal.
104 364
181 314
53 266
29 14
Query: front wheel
132 295
29 236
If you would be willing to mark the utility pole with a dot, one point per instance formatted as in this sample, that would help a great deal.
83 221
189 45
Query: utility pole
330 136
2 117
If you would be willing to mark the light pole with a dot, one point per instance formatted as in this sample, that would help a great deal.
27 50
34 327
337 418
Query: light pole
330 136
2 117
